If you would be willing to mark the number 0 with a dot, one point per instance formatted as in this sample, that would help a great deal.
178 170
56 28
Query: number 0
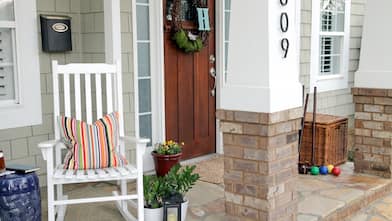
284 22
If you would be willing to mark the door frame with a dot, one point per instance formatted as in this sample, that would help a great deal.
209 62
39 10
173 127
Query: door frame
157 68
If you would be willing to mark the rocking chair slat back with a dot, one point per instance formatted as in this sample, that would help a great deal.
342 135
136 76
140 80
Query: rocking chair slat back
67 97
98 97
109 101
79 94
76 89
89 111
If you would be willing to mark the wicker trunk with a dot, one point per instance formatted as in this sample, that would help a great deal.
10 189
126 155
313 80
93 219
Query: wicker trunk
331 140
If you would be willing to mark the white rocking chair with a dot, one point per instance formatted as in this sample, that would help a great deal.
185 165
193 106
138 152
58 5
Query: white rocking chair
51 150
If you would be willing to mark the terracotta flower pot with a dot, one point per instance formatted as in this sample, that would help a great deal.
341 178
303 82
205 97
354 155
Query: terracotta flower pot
163 163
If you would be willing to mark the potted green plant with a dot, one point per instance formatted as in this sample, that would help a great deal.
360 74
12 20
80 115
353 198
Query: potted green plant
166 155
177 182
153 191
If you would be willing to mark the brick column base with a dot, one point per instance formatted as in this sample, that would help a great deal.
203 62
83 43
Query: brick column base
373 131
261 155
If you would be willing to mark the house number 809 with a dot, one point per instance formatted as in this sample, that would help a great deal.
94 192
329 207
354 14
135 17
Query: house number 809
284 27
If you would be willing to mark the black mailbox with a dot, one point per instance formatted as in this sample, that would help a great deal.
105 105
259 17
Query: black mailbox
56 33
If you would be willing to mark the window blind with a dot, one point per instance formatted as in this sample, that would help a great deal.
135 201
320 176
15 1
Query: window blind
7 82
331 36
7 51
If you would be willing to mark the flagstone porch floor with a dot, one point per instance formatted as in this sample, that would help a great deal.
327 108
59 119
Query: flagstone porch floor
320 198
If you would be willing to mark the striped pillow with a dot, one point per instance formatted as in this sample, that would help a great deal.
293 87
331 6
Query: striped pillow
91 146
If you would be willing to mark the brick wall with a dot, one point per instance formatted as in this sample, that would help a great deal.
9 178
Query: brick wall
260 164
373 131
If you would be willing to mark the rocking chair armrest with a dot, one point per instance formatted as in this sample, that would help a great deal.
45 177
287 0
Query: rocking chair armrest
48 144
134 139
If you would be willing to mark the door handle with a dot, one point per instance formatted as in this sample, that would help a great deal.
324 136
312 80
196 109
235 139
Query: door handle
213 75
212 58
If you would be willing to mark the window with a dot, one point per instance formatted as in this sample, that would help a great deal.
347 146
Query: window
144 71
20 98
330 44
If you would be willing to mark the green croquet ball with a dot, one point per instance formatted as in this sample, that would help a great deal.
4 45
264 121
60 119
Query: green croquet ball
314 170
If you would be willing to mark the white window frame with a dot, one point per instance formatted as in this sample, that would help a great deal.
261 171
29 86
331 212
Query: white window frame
335 81
25 110
157 76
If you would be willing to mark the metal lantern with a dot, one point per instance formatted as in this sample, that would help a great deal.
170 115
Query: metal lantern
171 216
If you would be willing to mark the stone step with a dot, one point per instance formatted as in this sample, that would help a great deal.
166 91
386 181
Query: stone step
330 198
380 210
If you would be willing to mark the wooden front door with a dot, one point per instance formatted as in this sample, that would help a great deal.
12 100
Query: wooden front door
189 100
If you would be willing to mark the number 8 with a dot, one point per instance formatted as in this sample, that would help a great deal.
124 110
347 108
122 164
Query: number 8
283 2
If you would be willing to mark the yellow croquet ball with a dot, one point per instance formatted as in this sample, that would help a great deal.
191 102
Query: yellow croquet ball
330 167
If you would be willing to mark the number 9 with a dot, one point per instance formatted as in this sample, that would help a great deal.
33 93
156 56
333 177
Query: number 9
285 45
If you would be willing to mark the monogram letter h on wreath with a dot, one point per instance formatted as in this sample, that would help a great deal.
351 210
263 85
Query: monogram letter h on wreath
190 40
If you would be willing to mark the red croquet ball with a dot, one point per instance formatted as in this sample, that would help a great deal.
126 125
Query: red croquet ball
336 171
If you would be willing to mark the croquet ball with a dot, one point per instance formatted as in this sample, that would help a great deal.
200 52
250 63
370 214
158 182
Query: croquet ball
336 171
330 167
323 170
314 170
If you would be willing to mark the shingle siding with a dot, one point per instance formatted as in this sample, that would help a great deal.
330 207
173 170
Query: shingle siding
20 144
338 102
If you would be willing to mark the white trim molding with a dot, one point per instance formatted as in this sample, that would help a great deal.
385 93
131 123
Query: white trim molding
135 69
157 71
338 80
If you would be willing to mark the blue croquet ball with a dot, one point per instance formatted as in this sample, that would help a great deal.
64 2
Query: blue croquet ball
323 170
314 170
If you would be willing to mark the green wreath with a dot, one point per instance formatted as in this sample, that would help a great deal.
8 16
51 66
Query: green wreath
184 40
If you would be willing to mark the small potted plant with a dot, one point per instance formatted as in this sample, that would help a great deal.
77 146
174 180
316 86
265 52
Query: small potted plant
153 191
177 182
166 155
175 185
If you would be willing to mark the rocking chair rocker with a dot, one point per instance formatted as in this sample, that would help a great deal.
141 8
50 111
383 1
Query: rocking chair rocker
106 100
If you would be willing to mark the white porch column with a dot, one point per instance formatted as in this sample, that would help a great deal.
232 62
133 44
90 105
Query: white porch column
112 24
112 30
375 66
373 94
259 78
259 114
